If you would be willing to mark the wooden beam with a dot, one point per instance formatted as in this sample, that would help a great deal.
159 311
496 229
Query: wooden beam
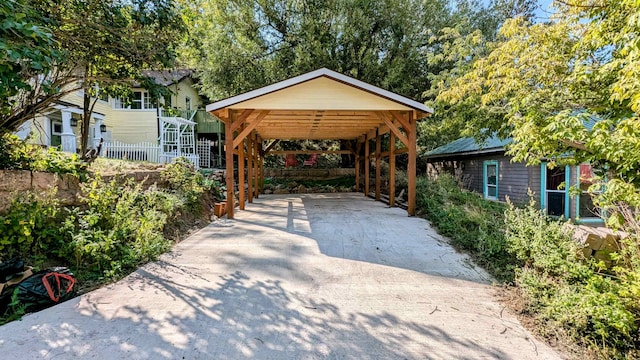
401 151
241 176
366 166
240 119
261 178
308 152
378 173
392 170
247 130
402 120
411 168
394 129
250 168
229 160
270 146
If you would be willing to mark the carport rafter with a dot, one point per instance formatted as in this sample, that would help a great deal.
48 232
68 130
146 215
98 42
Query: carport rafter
319 105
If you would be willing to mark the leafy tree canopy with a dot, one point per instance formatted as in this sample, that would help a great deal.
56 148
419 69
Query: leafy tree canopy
542 83
100 45
240 45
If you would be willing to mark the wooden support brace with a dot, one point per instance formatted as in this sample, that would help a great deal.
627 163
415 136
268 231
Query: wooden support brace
237 123
247 130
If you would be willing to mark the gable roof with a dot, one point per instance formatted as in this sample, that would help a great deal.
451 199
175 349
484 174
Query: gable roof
320 73
468 146
168 77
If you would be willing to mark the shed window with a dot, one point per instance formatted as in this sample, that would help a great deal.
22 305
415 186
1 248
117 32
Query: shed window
490 180
555 191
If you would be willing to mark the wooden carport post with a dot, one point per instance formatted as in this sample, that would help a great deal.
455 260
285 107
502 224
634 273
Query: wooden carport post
392 169
241 175
256 167
366 165
229 160
358 159
411 166
250 167
378 150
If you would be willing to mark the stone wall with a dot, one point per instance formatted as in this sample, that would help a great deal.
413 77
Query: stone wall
68 186
309 174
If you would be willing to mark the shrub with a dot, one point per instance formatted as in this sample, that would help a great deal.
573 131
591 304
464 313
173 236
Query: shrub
185 181
30 227
120 227
472 223
564 291
16 154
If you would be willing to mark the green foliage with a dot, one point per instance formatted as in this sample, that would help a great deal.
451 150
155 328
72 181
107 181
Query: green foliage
120 228
28 49
472 223
188 183
29 228
15 309
241 45
564 291
16 154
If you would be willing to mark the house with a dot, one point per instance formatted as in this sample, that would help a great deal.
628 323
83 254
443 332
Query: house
138 129
485 169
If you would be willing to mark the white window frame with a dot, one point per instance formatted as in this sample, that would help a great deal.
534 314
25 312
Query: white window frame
145 102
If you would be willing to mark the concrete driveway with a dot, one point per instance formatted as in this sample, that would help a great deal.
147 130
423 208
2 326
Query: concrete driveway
323 276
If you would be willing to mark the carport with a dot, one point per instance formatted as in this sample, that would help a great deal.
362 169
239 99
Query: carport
320 105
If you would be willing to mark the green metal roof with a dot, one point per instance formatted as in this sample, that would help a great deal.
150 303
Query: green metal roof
468 146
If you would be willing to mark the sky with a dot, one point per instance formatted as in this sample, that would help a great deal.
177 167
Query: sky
544 10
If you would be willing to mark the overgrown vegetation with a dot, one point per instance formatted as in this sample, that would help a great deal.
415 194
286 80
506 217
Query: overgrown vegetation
569 295
592 309
471 223
16 154
118 225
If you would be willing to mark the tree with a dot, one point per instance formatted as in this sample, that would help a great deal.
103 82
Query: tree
549 80
241 45
28 50
104 46
467 39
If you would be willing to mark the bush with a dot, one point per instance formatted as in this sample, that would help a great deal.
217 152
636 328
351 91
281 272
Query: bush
185 181
16 154
568 293
30 227
120 228
472 223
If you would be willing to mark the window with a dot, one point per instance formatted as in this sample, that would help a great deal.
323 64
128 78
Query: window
490 180
139 100
555 191
56 133
187 103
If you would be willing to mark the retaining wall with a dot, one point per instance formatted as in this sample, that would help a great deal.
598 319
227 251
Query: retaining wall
309 174
68 186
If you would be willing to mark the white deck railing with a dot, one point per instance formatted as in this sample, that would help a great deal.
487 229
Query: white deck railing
136 152
143 152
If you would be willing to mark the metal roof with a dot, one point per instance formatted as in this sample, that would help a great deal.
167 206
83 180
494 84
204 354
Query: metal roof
468 146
